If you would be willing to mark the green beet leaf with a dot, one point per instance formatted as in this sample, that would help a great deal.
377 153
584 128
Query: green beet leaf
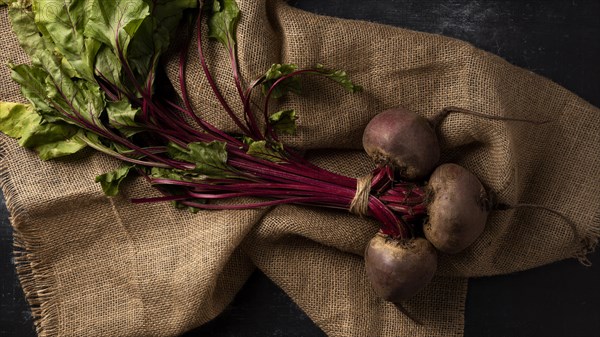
154 35
121 116
103 145
111 181
169 12
269 151
145 47
115 22
107 146
49 140
190 209
15 118
340 77
50 84
108 66
76 97
32 80
60 148
210 158
22 21
277 71
167 173
64 23
284 121
222 21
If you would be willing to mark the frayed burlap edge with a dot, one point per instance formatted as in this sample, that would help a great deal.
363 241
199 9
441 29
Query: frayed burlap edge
35 276
590 241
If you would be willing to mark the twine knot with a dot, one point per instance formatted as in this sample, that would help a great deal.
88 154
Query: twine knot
360 202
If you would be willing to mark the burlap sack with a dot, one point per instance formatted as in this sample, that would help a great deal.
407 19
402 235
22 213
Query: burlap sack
97 266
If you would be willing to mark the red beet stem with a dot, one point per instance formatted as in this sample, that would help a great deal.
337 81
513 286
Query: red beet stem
291 179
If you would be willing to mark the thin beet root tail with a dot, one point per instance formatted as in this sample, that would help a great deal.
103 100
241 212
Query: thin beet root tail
408 314
486 200
586 244
441 116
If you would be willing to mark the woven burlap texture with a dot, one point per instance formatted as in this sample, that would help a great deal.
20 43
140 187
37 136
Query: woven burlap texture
97 266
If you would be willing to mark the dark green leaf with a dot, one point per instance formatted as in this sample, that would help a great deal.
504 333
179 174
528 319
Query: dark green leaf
77 97
193 210
41 90
269 151
210 158
155 34
121 116
247 140
284 121
340 77
115 22
169 12
290 84
145 47
166 173
111 181
222 21
108 66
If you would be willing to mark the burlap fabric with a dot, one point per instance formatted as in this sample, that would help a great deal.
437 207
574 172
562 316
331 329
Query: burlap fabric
97 266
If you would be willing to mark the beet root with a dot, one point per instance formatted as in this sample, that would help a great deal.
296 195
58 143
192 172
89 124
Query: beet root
404 140
457 210
398 269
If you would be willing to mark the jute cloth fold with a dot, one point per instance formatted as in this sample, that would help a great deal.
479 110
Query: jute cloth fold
97 266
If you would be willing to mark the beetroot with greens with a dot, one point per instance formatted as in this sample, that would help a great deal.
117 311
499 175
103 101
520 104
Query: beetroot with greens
93 82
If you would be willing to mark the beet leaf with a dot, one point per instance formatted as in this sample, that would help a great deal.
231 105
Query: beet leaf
110 181
224 15
49 140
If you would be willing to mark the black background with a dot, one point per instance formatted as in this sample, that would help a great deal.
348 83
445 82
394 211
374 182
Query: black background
556 39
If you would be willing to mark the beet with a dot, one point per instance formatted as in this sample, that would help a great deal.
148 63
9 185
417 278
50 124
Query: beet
457 210
398 269
404 140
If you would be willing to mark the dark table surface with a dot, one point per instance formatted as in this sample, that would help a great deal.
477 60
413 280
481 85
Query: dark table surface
558 39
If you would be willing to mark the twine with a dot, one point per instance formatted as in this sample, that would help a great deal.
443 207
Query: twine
360 202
